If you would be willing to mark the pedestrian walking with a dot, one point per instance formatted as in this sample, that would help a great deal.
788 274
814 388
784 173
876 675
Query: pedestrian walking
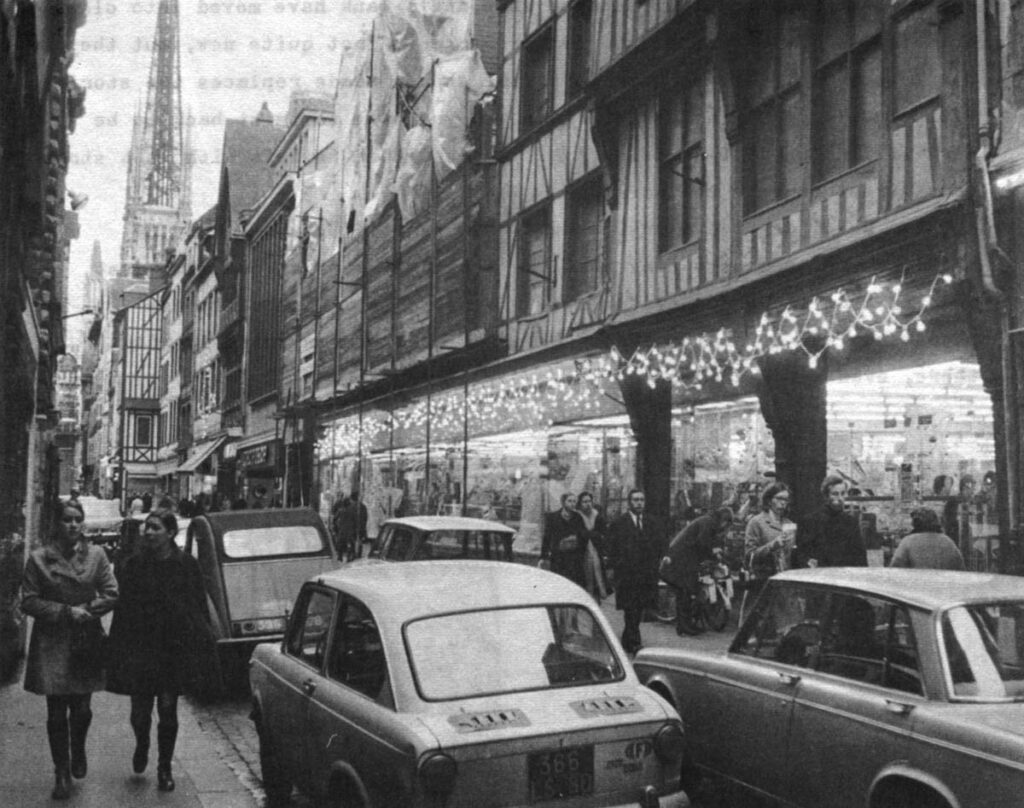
349 525
699 541
926 546
634 549
830 537
68 584
593 534
562 548
160 641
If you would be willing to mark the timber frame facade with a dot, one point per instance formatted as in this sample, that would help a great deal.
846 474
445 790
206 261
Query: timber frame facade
753 155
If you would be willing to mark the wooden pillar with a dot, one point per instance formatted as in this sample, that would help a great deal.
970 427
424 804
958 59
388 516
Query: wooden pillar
793 404
650 416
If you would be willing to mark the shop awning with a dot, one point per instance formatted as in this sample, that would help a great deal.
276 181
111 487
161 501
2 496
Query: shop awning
197 459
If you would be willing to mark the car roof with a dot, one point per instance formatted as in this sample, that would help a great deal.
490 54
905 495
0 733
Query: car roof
431 523
260 517
414 589
928 589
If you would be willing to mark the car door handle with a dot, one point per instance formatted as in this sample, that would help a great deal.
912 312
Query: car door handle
789 679
898 707
308 687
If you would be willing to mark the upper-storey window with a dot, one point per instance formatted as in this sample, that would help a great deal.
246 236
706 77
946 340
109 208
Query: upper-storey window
537 68
847 85
681 164
584 215
916 67
773 151
533 289
580 15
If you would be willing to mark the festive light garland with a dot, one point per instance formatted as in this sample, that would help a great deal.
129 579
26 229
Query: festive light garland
829 321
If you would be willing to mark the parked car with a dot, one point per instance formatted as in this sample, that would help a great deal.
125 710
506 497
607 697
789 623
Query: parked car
418 538
861 687
253 563
102 521
458 683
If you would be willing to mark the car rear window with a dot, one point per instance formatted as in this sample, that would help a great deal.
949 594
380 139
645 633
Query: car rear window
465 544
272 541
507 650
984 652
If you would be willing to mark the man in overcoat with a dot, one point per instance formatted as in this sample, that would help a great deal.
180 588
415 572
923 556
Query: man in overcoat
634 545
830 537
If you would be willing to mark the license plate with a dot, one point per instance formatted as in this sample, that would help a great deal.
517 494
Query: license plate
561 773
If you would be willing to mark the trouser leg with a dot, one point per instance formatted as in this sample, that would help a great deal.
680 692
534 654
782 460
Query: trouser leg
631 632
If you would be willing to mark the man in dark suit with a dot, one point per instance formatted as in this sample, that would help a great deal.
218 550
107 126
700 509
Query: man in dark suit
830 537
635 545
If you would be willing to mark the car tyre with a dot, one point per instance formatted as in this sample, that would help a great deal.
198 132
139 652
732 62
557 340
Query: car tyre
275 784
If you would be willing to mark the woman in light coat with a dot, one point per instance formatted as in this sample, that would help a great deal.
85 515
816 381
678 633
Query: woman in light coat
67 585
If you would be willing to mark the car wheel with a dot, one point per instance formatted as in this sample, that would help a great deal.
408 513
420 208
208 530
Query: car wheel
906 794
276 785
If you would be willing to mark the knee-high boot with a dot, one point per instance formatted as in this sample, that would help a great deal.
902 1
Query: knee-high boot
166 735
79 724
141 720
57 731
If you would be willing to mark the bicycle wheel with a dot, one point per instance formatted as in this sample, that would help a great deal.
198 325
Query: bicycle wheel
716 615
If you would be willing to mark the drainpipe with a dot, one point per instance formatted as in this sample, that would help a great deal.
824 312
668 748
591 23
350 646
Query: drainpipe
988 245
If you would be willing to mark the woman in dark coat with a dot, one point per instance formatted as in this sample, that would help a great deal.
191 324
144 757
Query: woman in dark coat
157 638
68 584
563 546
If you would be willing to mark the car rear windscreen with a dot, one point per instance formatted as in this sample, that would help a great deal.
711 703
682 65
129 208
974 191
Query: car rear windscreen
272 541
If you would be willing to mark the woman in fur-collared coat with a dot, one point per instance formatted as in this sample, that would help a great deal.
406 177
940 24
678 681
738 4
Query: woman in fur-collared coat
67 585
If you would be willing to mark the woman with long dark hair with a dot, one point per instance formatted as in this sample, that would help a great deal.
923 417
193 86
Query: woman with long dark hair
156 639
67 586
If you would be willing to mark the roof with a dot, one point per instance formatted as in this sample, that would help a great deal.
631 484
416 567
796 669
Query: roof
402 592
246 150
431 523
261 517
928 589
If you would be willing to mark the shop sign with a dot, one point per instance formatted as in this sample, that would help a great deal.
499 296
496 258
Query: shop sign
259 456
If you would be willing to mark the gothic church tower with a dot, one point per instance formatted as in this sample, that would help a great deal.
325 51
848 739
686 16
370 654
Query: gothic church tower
157 207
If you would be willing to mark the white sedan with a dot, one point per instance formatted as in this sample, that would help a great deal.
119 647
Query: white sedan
458 683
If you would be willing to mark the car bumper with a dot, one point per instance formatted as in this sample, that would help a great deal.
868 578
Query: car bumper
676 800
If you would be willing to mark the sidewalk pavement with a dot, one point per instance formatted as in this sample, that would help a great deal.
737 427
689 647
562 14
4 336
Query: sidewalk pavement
202 774
663 635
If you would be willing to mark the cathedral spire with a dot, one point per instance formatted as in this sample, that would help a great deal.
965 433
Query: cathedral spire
157 202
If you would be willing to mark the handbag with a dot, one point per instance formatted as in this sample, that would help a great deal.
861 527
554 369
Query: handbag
88 647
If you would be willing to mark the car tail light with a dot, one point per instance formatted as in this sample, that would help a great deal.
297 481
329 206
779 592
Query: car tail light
668 742
437 773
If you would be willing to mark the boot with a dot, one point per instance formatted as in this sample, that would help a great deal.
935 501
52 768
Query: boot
166 735
141 720
79 724
57 732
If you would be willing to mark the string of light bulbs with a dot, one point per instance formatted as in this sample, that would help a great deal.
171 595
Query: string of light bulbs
881 310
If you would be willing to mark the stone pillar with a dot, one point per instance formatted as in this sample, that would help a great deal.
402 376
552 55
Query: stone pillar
650 416
792 396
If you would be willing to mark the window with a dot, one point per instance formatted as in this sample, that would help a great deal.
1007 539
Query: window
538 84
580 14
584 218
917 72
308 634
681 165
773 145
534 282
143 430
847 85
357 654
983 651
